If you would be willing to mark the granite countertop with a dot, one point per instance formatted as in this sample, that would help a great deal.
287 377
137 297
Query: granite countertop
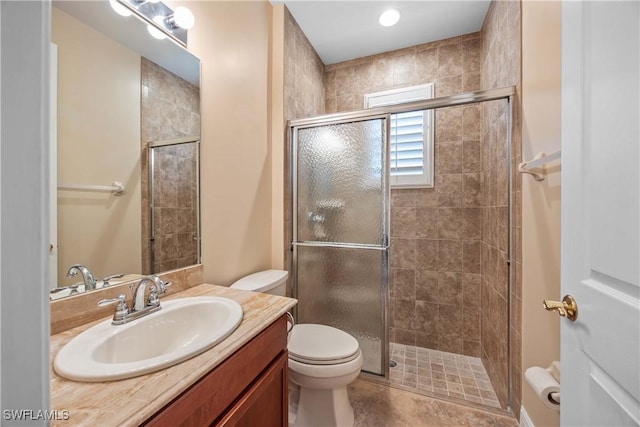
130 402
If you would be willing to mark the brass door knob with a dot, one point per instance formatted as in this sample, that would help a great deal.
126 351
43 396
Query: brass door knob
566 308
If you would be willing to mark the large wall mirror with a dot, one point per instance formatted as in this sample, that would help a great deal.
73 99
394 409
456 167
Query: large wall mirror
127 110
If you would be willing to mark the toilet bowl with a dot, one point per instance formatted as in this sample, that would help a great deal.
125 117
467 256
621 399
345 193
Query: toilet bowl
323 361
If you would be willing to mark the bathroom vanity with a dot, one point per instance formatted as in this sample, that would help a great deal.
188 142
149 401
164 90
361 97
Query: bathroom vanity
249 388
242 380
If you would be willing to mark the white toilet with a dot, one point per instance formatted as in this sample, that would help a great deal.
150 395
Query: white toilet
323 361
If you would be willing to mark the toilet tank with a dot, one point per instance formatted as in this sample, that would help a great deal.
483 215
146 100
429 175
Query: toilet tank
272 282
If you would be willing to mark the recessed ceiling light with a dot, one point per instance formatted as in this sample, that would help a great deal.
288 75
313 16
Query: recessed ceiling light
389 17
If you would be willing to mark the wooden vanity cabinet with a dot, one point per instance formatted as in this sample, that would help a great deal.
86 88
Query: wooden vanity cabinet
247 389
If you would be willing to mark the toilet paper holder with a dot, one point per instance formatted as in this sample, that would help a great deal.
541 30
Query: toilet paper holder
545 382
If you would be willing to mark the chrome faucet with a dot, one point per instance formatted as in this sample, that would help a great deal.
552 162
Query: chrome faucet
87 277
139 308
138 294
105 280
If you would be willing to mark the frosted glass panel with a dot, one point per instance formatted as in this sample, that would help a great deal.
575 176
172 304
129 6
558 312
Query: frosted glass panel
341 182
343 288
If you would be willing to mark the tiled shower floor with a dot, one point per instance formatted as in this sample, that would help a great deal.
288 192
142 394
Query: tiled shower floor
441 373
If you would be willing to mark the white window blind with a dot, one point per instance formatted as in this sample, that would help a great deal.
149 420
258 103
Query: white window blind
411 136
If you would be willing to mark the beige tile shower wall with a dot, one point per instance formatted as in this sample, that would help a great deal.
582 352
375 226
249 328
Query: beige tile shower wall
170 109
500 68
170 105
175 207
303 74
303 97
453 64
435 233
495 216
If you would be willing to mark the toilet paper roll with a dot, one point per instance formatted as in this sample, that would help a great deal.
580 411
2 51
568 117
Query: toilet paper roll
543 384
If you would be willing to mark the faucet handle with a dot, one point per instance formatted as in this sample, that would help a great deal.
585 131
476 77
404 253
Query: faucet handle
158 288
105 280
120 299
121 309
164 286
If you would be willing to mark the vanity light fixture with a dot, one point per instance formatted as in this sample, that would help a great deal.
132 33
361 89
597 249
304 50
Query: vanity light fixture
162 21
182 17
139 3
119 8
389 17
154 31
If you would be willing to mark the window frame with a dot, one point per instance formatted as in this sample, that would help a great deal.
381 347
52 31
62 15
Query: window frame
401 96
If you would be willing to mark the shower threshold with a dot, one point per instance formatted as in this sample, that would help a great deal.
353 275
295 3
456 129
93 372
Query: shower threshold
439 373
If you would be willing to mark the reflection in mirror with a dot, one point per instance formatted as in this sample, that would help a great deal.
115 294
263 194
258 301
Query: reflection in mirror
118 90
174 195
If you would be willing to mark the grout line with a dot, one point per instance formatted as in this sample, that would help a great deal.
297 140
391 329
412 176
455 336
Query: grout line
451 365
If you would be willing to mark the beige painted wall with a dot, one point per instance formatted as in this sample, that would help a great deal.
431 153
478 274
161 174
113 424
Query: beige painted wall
541 68
231 38
277 126
98 143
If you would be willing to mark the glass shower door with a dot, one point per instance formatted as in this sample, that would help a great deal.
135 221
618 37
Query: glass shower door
340 229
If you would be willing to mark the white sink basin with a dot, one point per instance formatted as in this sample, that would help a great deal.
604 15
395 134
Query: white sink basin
182 329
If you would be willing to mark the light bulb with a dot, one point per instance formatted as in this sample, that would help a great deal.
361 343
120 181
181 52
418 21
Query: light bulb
119 8
156 33
183 18
389 17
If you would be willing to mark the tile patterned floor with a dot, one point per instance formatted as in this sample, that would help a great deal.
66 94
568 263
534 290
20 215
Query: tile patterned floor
442 374
377 405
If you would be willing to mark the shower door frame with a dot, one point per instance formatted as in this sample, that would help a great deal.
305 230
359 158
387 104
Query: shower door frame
384 246
505 93
151 145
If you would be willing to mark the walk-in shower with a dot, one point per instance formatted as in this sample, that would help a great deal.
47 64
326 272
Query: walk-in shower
429 294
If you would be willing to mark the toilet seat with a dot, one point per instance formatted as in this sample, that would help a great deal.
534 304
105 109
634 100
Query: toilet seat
321 345
318 373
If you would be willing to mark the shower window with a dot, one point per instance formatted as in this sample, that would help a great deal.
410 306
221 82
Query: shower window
410 137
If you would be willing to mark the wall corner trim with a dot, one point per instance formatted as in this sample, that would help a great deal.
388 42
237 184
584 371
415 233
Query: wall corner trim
525 421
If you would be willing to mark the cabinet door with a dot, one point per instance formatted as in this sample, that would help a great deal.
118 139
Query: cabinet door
226 385
265 403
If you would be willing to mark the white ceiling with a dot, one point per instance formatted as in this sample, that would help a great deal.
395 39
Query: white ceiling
344 30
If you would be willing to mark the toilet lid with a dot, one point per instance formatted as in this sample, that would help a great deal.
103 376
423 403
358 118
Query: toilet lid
261 281
321 344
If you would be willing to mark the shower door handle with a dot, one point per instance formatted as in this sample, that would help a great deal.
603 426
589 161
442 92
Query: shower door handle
340 246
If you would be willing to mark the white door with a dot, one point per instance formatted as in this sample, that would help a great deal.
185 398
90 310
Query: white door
600 351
